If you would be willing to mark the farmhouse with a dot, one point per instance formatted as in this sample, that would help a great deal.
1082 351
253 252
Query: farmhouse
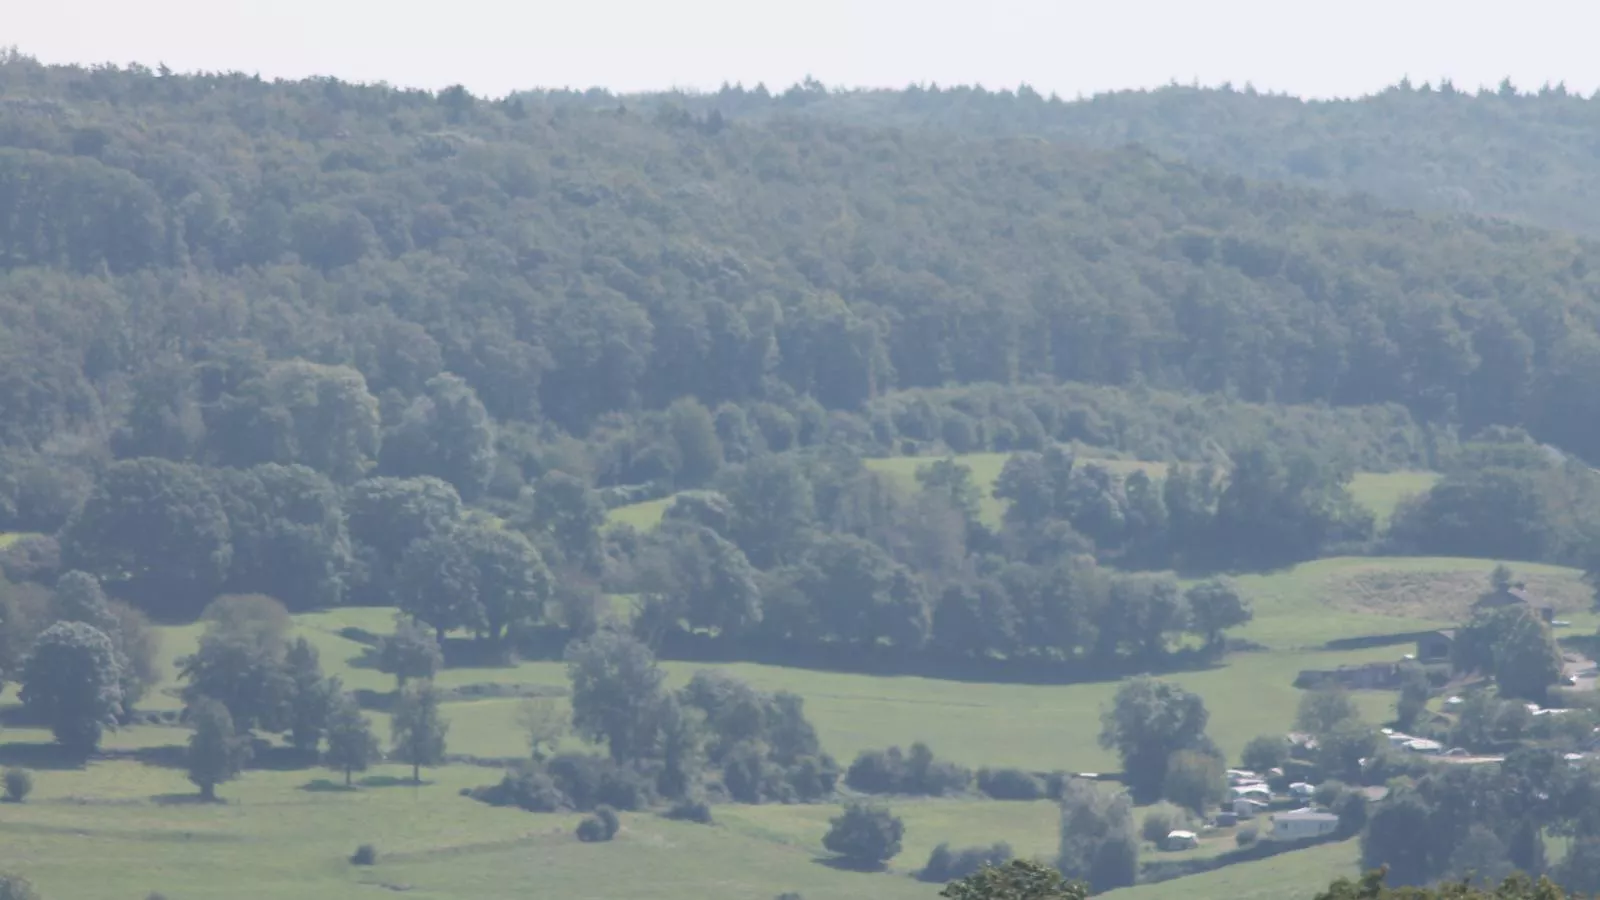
1375 676
1435 646
1301 824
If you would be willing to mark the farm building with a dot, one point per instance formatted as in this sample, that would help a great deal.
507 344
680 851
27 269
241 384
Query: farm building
1435 646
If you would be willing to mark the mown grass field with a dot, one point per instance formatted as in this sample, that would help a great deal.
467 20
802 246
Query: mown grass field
121 829
1315 602
1041 727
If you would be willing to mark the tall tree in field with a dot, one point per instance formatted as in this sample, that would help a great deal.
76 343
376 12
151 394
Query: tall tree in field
418 730
311 696
216 752
73 681
616 693
1214 607
1098 841
352 746
1323 709
1148 722
411 652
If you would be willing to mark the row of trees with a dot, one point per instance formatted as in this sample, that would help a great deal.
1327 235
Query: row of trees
804 550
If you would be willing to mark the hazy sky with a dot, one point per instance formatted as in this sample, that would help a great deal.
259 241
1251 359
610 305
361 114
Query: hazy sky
1327 48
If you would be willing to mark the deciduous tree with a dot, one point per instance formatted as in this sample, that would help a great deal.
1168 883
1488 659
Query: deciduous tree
418 730
73 682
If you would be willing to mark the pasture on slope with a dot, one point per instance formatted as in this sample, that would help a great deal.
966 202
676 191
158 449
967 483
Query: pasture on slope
1042 727
133 819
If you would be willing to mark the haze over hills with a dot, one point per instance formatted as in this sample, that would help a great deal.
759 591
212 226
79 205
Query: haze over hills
1517 152
629 458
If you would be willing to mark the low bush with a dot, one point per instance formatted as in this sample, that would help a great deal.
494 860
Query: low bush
365 855
18 784
1162 820
865 836
1247 836
15 887
1011 784
945 864
526 788
602 826
689 811
916 772
588 781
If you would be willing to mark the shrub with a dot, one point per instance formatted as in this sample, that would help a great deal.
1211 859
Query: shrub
945 864
1247 836
813 777
365 855
866 836
1162 820
916 772
525 788
19 784
1195 780
875 771
1010 784
15 887
689 811
588 781
602 826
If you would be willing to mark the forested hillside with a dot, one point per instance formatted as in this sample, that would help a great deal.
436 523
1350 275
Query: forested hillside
568 264
1523 154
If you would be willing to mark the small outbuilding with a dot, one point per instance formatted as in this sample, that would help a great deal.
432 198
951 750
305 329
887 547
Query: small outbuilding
1181 840
1300 824
1435 646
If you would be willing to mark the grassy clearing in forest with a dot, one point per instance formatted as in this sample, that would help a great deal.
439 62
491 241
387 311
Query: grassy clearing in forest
1380 492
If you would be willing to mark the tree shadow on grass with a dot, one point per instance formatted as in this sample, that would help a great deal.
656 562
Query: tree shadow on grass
167 756
841 864
383 781
18 716
328 786
38 756
193 799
